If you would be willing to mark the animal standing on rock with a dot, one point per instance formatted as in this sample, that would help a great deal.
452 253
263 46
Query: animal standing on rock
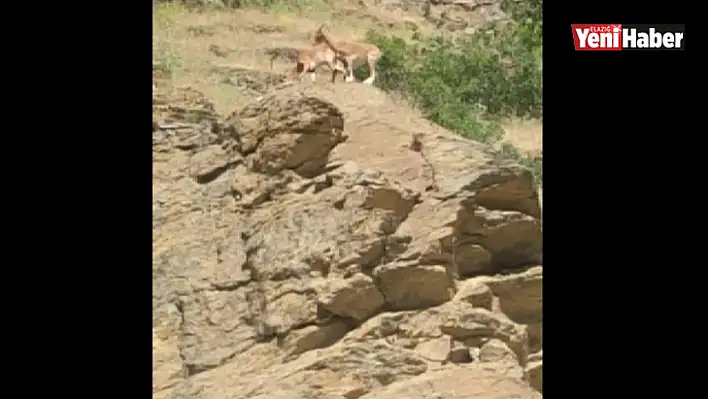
351 51
309 59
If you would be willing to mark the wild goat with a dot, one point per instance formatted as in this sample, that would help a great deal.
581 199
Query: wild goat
350 51
309 59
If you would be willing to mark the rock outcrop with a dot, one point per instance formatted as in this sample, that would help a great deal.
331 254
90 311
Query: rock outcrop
285 266
452 15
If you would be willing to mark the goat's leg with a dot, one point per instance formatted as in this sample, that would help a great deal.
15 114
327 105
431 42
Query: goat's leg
335 67
350 70
300 71
372 72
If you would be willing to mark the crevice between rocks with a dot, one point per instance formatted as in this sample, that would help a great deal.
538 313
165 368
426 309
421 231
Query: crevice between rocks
214 174
179 305
193 369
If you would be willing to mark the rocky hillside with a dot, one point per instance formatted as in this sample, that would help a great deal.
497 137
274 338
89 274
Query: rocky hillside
327 241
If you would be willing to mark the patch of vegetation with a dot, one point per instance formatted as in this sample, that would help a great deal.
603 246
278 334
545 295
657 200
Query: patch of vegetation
165 61
467 85
508 151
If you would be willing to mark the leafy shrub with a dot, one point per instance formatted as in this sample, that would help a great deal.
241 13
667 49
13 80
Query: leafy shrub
468 84
496 71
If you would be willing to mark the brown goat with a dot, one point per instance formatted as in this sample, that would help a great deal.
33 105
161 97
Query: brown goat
351 51
309 59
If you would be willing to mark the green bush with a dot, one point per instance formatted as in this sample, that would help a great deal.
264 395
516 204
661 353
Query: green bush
496 71
468 84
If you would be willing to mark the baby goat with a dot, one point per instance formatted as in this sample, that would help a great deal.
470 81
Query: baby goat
309 59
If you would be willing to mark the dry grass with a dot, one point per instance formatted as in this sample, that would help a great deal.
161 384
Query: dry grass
206 50
524 134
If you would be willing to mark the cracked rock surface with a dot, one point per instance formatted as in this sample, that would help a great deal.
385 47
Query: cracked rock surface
302 250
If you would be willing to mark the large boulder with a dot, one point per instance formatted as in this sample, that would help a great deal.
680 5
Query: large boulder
290 261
